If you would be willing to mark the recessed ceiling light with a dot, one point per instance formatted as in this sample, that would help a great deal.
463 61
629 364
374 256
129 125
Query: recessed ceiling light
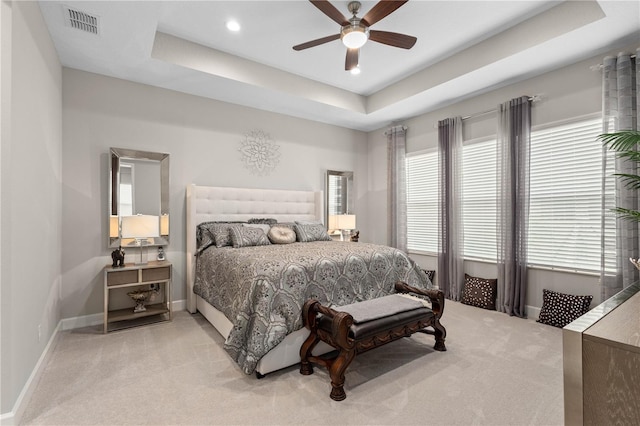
233 26
355 70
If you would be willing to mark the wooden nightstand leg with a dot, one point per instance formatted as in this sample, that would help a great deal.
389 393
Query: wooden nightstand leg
169 297
106 308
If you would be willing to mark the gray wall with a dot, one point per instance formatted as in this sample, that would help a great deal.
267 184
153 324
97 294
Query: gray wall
30 178
54 175
570 92
202 136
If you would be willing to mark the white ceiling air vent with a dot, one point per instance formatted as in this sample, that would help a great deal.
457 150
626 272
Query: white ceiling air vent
80 20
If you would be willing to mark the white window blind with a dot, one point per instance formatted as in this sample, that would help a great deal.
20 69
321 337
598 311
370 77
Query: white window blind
422 202
564 217
335 190
479 199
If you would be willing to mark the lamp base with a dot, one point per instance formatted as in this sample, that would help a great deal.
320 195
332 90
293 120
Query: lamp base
141 261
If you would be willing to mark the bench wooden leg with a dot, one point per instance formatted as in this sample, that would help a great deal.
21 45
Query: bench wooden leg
306 367
440 334
336 372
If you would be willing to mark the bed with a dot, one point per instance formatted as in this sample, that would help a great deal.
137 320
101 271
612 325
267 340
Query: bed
264 337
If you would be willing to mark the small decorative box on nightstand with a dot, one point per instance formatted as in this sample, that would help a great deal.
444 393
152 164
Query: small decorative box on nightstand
141 279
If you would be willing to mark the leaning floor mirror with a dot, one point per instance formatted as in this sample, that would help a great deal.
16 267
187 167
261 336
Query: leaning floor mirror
341 218
138 198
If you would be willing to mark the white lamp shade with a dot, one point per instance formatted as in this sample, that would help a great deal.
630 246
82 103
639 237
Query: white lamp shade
164 224
140 226
345 221
113 227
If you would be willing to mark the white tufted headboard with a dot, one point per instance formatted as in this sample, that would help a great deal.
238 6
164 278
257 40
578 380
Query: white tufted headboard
213 203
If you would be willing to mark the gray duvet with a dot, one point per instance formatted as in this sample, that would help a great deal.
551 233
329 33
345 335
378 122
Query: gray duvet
262 289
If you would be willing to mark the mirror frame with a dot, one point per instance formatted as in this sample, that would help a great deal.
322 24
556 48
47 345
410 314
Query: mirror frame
349 177
116 155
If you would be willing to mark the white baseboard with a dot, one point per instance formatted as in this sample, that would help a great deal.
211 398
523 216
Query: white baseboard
14 416
97 319
533 312
179 305
79 322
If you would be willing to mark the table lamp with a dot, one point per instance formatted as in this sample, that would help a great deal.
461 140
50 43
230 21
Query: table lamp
343 222
141 227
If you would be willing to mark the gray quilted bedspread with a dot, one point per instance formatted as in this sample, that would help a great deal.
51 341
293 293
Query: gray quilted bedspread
262 289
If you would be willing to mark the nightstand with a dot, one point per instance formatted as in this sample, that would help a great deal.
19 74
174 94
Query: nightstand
138 277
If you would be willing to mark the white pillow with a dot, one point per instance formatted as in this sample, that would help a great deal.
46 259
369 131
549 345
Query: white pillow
281 235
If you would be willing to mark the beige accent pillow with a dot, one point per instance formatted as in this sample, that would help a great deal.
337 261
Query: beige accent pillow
281 235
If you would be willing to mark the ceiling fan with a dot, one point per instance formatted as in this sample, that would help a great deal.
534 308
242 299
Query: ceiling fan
355 32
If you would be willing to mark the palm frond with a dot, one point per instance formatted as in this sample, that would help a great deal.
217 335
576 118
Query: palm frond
630 181
625 140
625 143
627 214
630 155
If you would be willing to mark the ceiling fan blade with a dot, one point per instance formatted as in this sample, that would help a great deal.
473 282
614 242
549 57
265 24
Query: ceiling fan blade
330 10
381 10
393 39
352 59
316 42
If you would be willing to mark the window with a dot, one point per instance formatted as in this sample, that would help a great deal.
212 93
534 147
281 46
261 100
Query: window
479 204
479 199
422 201
564 216
565 193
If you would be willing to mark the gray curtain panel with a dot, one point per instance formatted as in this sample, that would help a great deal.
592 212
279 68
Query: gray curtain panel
620 111
514 142
450 226
397 186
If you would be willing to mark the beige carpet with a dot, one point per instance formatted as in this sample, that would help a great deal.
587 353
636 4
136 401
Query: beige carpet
498 370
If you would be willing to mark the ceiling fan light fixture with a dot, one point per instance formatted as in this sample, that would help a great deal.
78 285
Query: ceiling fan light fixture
355 70
354 36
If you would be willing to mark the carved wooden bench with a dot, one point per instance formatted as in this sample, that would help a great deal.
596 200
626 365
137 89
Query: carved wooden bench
362 326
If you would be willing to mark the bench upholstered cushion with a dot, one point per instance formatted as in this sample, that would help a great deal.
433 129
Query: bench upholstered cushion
373 316
378 308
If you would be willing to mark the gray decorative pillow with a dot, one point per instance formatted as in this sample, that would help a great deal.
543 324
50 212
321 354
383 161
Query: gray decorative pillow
311 232
290 225
264 221
243 236
221 233
204 236
281 235
265 228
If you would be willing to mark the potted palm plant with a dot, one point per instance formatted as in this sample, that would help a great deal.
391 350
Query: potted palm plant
625 143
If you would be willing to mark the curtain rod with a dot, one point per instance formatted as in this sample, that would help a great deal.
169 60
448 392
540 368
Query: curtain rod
534 98
598 67
479 114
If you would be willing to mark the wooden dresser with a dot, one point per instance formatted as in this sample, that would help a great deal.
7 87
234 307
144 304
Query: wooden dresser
601 363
